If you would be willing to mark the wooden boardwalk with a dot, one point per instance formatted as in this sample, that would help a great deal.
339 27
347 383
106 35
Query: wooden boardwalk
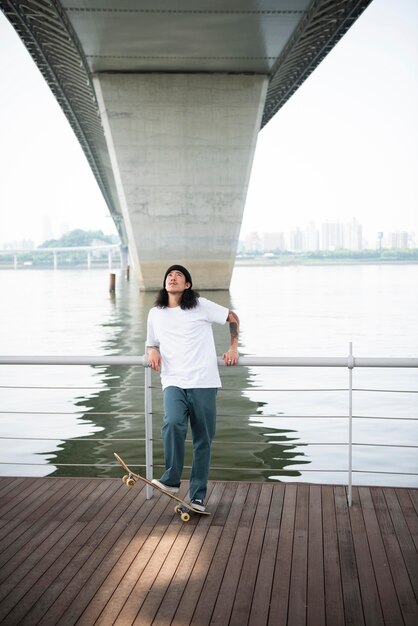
91 551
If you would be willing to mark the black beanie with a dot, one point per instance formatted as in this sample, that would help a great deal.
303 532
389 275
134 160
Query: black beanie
181 269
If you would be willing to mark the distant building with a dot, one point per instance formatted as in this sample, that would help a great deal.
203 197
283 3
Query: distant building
252 242
311 238
273 241
296 240
400 240
23 244
332 236
353 236
47 230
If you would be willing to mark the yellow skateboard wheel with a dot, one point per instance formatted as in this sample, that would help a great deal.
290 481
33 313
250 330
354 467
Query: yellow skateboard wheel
125 478
185 517
130 482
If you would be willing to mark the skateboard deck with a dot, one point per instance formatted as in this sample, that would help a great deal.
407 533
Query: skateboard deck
182 508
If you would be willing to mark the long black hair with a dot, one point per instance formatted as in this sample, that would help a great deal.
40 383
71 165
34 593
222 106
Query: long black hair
188 300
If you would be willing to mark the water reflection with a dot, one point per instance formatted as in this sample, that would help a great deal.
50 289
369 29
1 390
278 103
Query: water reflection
244 447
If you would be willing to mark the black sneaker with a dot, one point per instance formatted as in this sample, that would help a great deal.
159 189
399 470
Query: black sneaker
198 504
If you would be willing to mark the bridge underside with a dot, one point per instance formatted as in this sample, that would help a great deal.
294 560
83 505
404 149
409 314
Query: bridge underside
181 147
167 103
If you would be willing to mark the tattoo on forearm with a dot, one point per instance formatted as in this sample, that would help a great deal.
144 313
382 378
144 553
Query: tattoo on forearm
234 326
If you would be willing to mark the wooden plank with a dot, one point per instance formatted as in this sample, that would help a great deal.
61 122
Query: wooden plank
387 593
91 551
351 590
405 593
413 493
147 576
14 506
369 592
233 501
131 610
406 544
409 513
9 485
35 546
99 595
31 578
281 581
64 579
334 606
298 574
140 553
315 610
166 574
223 607
248 577
15 588
263 589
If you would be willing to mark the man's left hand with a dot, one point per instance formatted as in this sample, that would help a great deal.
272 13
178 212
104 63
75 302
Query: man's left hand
230 358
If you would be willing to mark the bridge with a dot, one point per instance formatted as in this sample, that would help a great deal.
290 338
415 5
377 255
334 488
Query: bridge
167 99
55 251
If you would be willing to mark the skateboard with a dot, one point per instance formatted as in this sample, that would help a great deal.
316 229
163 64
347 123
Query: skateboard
182 508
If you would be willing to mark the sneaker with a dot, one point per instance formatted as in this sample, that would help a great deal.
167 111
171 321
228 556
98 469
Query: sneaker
198 504
165 487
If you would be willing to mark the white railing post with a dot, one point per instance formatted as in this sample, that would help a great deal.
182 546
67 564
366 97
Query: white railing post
148 428
350 423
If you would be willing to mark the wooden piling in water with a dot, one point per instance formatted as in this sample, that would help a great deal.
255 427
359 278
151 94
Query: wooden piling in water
112 283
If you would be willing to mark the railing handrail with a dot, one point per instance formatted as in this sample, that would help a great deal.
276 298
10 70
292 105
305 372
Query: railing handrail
103 247
348 361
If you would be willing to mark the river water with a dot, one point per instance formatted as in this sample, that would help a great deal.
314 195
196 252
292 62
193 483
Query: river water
273 423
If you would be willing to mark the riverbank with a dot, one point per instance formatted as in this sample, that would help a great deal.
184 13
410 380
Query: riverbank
293 260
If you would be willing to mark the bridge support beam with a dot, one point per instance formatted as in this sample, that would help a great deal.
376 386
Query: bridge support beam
181 148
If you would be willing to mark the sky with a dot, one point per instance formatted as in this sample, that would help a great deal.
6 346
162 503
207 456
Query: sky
344 146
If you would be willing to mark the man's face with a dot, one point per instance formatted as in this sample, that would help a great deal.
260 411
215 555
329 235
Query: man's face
176 282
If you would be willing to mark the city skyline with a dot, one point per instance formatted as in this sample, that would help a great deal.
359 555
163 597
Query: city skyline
326 236
304 237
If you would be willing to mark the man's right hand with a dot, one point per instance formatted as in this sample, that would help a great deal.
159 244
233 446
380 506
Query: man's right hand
154 358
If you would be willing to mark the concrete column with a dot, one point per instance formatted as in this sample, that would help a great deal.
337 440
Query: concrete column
181 147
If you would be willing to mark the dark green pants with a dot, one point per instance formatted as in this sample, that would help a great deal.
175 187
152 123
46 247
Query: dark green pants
180 406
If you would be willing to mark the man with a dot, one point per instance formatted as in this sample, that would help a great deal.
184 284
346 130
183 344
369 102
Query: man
180 344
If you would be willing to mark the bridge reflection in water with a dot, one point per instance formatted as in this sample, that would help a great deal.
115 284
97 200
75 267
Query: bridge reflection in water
243 449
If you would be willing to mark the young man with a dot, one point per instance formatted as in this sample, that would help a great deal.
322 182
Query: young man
180 344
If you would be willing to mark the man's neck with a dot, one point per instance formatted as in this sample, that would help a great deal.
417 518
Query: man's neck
174 300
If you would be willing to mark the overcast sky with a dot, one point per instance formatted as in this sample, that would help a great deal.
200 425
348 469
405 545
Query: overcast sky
344 146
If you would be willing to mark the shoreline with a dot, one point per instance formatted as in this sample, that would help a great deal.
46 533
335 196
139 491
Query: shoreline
320 262
238 263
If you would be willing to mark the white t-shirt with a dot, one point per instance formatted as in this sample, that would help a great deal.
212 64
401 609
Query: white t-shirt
187 347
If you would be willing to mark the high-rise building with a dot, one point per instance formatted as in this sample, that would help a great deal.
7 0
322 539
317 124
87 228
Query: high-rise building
332 236
398 239
311 238
353 235
273 241
252 242
296 240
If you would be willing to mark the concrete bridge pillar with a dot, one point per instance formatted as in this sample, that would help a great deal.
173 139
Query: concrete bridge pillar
181 147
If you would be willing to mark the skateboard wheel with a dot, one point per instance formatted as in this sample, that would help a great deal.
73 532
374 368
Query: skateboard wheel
125 478
177 509
185 517
130 482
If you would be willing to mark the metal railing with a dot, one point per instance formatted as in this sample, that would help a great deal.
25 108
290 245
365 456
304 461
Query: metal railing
350 362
